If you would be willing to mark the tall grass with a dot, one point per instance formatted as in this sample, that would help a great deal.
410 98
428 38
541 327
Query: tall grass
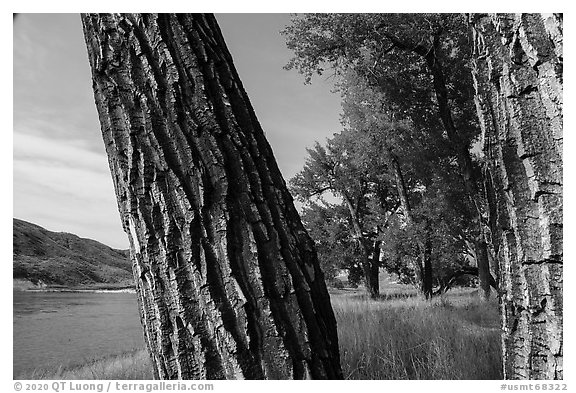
452 337
130 365
455 336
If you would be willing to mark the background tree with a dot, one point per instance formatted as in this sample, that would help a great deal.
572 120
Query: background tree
518 71
410 156
420 62
427 181
340 168
330 227
228 280
420 218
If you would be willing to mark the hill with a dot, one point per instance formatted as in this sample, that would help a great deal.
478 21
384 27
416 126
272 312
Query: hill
42 258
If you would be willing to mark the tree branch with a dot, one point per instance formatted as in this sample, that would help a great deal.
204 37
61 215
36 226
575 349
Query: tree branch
467 270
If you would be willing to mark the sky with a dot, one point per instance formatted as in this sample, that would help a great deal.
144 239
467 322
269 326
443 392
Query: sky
61 179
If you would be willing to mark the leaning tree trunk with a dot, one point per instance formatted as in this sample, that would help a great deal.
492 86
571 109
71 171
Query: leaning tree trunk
227 278
518 78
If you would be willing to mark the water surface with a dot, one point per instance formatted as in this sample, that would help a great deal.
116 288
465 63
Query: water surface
69 328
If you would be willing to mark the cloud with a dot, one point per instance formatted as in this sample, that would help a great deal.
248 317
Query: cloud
52 83
70 153
64 187
61 175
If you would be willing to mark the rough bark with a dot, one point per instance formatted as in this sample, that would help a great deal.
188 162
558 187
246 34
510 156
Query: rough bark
518 79
494 243
228 280
484 276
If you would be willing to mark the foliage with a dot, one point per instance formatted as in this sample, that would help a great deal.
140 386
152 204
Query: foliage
367 110
408 113
329 226
392 53
346 232
354 166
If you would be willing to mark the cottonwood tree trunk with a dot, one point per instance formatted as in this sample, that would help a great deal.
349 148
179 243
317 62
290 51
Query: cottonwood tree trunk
464 160
401 187
518 78
369 265
375 269
483 263
429 52
426 283
424 269
227 278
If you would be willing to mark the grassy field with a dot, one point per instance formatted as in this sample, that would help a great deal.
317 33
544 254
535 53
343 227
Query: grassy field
456 336
130 365
400 336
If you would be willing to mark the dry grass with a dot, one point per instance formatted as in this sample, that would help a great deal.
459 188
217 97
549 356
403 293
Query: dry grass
456 336
398 337
127 366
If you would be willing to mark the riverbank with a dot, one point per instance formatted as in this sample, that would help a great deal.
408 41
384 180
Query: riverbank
456 336
131 365
25 285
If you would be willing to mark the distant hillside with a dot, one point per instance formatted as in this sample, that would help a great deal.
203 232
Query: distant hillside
59 259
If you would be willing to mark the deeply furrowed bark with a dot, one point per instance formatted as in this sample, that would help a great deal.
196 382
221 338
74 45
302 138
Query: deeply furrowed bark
518 80
227 278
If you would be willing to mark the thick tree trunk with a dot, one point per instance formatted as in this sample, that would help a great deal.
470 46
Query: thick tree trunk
482 260
401 187
424 269
464 161
375 269
518 80
427 276
227 278
461 149
372 287
492 202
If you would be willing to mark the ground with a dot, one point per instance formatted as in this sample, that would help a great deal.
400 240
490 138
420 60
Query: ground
400 336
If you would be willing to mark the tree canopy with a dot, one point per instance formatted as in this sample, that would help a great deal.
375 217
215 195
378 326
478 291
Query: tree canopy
409 124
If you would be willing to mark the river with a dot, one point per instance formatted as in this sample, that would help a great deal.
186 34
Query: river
53 329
